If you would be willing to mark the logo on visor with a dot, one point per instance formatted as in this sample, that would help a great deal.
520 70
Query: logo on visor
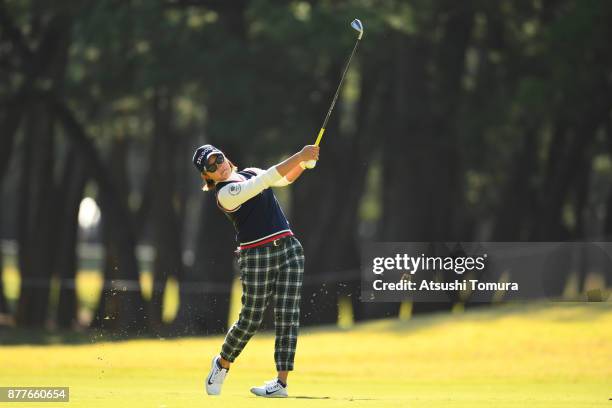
200 158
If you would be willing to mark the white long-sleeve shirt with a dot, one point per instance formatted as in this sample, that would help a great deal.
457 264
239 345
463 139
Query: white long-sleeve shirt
233 195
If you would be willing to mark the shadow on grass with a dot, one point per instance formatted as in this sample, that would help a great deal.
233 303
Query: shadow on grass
22 336
543 310
16 336
555 311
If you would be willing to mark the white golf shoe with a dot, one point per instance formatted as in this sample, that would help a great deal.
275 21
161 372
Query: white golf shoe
215 378
271 389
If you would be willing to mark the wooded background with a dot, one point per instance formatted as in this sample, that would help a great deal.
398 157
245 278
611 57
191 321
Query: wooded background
466 120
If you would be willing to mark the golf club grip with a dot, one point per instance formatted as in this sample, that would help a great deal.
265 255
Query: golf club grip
319 136
310 164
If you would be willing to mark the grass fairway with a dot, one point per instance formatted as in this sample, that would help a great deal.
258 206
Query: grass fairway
545 355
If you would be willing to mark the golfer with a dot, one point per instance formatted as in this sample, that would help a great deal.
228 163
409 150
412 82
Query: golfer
271 259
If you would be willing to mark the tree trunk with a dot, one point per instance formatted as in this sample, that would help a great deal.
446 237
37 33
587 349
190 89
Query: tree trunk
3 305
164 211
566 153
580 191
71 193
37 243
11 119
516 203
607 227
10 122
125 307
36 219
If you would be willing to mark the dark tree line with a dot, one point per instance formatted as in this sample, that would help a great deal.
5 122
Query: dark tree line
467 120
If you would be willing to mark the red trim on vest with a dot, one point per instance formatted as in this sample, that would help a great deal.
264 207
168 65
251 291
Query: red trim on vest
265 241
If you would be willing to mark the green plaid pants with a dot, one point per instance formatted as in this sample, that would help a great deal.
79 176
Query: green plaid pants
269 272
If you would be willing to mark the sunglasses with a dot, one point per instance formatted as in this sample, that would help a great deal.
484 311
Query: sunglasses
212 167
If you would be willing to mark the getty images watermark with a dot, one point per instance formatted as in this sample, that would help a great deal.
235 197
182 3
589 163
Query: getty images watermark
486 271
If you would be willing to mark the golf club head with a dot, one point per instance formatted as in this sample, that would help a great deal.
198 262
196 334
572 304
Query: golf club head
356 24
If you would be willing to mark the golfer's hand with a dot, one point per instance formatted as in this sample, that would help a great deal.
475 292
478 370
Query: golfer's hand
309 152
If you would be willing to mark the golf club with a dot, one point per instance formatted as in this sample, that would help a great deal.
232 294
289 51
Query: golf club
355 24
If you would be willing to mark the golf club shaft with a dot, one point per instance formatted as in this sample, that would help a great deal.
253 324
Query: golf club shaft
331 108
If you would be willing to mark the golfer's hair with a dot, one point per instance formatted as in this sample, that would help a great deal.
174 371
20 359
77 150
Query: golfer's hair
209 183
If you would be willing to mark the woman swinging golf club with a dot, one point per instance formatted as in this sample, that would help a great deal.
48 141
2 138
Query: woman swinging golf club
271 259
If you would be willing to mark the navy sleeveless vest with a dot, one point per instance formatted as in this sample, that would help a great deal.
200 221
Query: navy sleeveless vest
259 219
